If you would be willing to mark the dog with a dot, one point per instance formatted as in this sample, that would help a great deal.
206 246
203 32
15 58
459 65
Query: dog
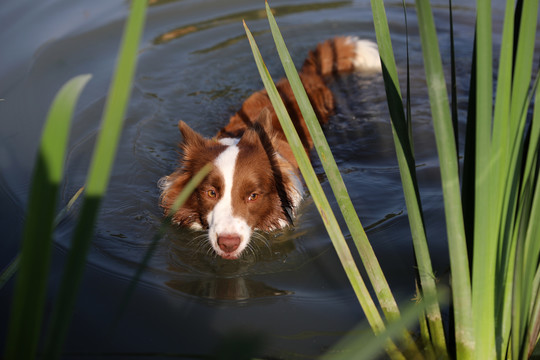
255 183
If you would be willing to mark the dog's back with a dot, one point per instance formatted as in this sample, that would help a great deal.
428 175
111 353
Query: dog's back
331 57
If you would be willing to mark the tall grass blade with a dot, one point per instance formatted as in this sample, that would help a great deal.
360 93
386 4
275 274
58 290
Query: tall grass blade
365 346
514 205
9 270
532 251
445 139
66 209
98 178
469 161
329 220
31 284
408 110
13 266
526 235
485 245
378 281
406 162
453 90
500 150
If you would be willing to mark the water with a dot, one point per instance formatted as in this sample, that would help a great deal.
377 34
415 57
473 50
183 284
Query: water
195 64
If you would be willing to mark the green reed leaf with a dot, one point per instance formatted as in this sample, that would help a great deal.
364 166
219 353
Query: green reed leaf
13 266
98 178
404 150
485 245
446 148
361 345
31 283
329 220
371 264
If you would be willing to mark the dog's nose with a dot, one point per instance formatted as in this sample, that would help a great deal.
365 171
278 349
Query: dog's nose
228 242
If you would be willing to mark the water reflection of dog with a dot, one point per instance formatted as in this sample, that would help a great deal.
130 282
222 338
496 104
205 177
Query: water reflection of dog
187 254
233 288
220 279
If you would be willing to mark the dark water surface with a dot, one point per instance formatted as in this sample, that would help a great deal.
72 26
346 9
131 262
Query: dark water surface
195 64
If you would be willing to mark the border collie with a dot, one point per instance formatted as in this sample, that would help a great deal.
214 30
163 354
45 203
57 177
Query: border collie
255 183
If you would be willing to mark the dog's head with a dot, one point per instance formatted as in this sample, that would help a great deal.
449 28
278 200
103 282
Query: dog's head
250 187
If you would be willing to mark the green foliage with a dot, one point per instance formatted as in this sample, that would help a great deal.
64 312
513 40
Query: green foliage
30 289
33 263
496 303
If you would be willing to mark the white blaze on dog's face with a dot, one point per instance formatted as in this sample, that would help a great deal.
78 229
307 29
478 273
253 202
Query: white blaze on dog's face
228 234
244 189
249 188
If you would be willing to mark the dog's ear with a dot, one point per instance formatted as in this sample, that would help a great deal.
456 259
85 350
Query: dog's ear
191 137
250 137
261 133
264 120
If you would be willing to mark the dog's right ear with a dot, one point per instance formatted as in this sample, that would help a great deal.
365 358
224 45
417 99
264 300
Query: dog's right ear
191 137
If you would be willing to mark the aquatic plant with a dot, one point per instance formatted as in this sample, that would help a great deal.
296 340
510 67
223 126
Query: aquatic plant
29 296
496 301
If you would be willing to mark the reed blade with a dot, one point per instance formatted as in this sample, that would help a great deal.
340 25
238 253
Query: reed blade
321 202
371 264
97 180
34 259
405 156
446 148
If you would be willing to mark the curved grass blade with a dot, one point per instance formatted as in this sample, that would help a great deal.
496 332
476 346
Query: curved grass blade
453 91
31 284
68 206
444 135
512 184
329 220
98 178
9 270
365 346
13 266
405 156
378 281
485 244
469 160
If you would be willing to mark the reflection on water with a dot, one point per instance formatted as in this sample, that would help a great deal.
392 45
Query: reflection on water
236 288
190 251
237 18
220 279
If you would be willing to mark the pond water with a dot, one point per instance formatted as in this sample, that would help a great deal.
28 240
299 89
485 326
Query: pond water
293 299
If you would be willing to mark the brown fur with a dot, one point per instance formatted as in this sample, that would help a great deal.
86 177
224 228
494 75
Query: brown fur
259 171
330 57
265 168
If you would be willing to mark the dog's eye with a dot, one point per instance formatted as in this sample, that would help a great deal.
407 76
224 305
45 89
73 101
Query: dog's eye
253 197
211 193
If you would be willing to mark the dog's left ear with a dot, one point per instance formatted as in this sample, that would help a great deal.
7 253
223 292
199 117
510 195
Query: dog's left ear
264 121
261 130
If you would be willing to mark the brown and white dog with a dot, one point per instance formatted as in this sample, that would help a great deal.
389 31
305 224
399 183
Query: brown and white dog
255 183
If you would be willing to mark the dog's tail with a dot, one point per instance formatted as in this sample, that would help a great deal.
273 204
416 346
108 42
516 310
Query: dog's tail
334 56
331 57
341 55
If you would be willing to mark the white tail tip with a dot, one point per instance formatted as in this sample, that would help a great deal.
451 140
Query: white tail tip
367 55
